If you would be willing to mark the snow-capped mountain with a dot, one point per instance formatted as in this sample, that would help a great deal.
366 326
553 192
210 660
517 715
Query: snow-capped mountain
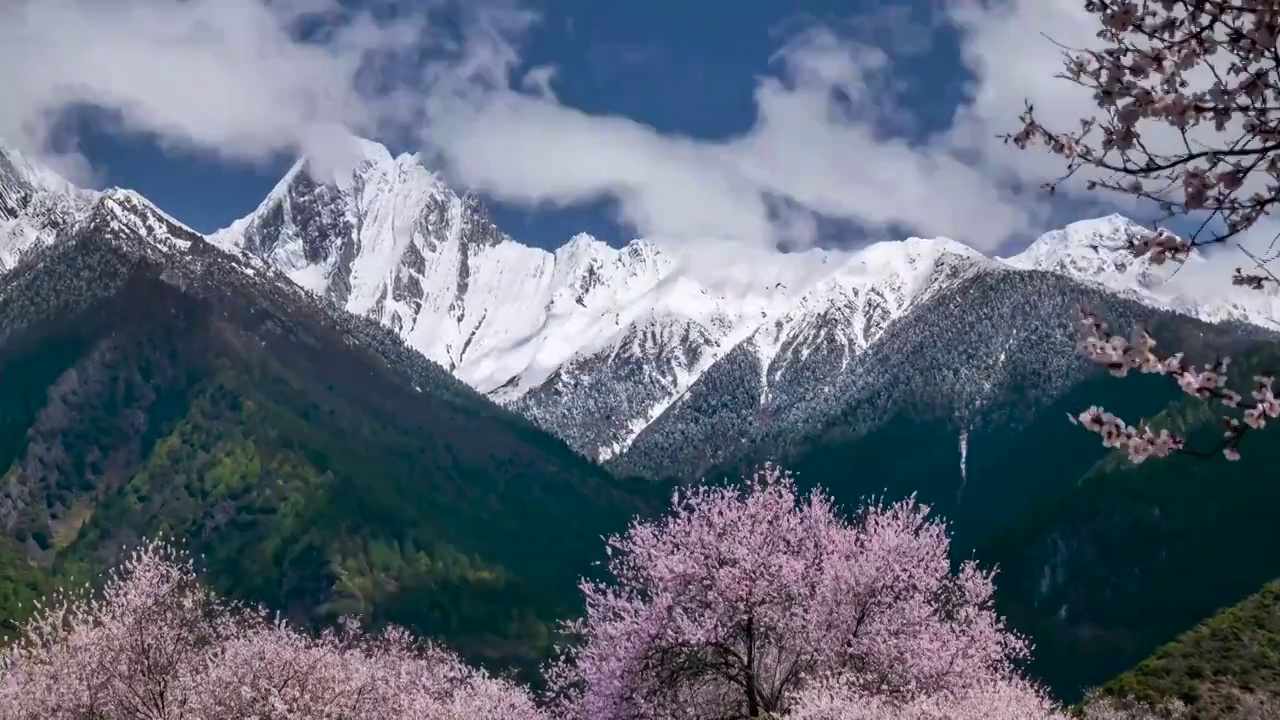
618 335
615 334
35 205
827 315
597 343
1094 251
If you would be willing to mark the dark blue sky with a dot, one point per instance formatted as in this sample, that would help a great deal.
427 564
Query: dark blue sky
687 68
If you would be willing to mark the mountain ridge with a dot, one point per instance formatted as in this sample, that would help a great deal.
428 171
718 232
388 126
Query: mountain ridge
544 331
35 205
621 334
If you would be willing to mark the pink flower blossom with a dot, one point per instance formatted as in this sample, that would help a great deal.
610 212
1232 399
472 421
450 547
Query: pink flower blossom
155 645
1119 355
1185 120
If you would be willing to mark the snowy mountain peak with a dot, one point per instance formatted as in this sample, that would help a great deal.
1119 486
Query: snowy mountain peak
373 152
904 257
840 315
36 204
581 248
1096 252
1113 223
15 167
1096 248
367 162
125 215
345 237
341 164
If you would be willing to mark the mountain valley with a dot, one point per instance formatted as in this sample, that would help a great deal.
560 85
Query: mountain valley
365 398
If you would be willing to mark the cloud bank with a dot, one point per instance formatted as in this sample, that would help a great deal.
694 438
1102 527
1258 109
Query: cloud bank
817 148
249 79
234 77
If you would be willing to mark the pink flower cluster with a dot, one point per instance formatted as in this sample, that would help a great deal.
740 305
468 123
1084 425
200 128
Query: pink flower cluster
155 645
1160 246
1008 699
1121 355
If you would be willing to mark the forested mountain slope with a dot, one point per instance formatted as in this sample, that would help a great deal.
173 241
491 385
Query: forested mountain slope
155 384
1129 557
1216 665
963 401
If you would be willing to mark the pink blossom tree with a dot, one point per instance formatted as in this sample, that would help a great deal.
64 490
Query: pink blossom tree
345 673
742 600
1188 94
135 651
157 645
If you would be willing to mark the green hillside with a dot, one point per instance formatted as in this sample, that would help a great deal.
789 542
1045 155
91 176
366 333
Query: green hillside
994 489
21 584
311 461
1130 557
1232 654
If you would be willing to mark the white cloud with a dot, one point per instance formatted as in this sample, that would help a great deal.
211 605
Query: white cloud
233 78
817 144
226 76
1009 46
821 141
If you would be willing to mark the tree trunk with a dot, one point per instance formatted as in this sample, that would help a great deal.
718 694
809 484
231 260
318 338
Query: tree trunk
753 699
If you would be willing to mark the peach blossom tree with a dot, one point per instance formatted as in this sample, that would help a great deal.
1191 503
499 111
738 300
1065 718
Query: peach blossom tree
755 601
156 645
1209 383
